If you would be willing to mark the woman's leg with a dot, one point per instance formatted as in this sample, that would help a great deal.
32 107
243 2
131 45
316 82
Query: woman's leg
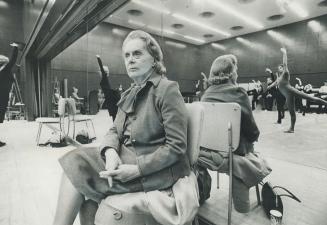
290 99
87 212
69 203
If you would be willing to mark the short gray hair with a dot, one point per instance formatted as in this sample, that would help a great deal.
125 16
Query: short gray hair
152 46
225 66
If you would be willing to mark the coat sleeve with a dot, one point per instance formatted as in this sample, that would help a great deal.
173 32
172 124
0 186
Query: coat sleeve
110 140
13 58
174 116
248 125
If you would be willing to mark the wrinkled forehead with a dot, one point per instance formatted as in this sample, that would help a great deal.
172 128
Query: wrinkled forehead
133 45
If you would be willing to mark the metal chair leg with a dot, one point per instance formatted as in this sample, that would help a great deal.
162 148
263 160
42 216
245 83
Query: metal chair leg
230 203
93 129
39 134
74 124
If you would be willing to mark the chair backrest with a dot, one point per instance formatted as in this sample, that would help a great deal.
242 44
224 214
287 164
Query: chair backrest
71 107
194 130
61 107
217 119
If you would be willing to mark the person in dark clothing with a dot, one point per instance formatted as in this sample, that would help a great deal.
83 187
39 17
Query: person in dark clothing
6 80
280 99
283 82
111 96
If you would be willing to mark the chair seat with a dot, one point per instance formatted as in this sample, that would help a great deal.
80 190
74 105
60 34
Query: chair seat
47 120
80 118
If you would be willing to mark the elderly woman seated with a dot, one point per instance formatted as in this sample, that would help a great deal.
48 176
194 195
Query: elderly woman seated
248 170
141 169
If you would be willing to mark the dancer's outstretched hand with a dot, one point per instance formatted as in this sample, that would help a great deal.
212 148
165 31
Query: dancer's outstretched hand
268 70
283 50
204 76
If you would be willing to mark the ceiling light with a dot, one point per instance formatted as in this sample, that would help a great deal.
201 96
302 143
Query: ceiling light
237 14
218 46
118 32
161 30
136 23
280 37
194 39
298 9
200 24
152 7
4 5
175 44
315 26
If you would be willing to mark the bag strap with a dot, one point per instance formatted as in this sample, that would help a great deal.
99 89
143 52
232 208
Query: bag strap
290 194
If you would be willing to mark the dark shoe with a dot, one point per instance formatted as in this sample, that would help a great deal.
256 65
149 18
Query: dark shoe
2 144
278 122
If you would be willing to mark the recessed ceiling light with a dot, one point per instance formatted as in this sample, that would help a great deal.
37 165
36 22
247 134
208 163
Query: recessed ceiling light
245 1
136 23
194 39
218 46
275 17
208 35
228 9
175 44
315 26
323 3
135 12
177 25
152 7
207 14
298 9
237 28
202 25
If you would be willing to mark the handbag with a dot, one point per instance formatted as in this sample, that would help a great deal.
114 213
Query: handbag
271 200
204 183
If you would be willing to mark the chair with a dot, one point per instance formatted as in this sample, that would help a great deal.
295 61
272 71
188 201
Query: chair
73 118
195 121
51 120
221 132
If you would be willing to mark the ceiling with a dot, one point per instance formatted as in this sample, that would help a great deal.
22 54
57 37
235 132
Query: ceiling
204 21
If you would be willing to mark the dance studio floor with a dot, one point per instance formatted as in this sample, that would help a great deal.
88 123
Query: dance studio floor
29 175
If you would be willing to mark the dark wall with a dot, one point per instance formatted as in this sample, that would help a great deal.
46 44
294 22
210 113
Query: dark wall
78 62
10 25
307 57
307 52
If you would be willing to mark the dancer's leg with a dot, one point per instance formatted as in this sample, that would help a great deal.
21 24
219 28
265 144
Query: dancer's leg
290 99
301 94
69 203
87 212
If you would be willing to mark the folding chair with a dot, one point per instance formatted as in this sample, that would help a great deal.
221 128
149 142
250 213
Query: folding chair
195 121
73 118
51 120
221 132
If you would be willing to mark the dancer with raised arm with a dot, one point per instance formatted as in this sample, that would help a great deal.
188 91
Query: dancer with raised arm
6 80
283 82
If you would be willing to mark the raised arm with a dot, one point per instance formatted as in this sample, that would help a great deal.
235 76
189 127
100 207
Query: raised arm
13 57
284 52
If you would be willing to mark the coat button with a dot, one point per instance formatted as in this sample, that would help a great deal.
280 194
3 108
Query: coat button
118 215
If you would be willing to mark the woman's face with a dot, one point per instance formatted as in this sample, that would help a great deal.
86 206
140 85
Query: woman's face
138 60
280 69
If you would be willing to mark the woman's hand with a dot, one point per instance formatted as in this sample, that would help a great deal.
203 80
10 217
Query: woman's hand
112 162
124 173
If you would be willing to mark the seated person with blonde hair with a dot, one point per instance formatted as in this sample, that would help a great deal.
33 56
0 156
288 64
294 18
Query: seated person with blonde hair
248 169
